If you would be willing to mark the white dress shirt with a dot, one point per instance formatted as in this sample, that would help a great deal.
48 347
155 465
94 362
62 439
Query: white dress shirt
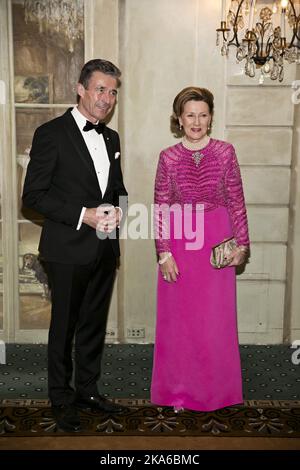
97 149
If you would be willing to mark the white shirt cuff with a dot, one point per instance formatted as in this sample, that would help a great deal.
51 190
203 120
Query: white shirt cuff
81 218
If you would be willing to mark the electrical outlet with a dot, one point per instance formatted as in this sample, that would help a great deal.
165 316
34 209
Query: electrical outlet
111 333
135 332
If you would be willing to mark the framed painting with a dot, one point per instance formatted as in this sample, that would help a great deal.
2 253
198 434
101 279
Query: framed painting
34 88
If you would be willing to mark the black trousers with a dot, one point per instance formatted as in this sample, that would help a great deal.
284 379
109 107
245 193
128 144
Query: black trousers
80 302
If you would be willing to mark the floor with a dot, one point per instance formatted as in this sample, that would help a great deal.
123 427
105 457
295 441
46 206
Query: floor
268 372
108 444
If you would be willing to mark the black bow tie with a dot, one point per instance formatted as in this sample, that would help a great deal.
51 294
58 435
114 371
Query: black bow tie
98 127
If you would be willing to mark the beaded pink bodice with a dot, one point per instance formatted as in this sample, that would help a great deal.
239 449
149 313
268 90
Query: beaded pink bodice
215 181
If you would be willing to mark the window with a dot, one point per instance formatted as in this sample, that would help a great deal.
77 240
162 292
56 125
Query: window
48 55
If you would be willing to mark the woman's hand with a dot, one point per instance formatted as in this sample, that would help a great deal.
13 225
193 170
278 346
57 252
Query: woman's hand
239 256
169 268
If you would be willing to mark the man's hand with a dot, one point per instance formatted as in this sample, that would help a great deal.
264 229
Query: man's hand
103 218
109 218
90 217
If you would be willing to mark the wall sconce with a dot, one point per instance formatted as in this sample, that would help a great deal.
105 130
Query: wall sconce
259 41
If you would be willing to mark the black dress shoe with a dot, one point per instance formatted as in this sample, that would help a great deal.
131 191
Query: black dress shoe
98 403
67 418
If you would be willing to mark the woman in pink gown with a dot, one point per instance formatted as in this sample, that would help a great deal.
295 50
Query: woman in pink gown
196 355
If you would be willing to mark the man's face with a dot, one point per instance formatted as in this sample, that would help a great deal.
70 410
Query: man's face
97 101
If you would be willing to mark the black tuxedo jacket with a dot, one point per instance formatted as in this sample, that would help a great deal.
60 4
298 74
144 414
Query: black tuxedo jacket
60 180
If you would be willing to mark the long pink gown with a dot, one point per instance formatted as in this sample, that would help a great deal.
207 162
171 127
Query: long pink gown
196 355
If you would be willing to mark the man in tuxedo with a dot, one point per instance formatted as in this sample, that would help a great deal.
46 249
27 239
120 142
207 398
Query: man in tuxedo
74 180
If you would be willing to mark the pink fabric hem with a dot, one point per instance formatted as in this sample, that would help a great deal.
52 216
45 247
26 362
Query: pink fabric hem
197 407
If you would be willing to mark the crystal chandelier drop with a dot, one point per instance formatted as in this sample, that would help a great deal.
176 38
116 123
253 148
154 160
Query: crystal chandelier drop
259 34
57 16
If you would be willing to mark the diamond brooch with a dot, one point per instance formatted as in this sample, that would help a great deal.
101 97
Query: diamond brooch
197 157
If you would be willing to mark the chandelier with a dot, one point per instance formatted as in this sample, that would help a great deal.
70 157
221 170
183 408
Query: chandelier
260 35
57 16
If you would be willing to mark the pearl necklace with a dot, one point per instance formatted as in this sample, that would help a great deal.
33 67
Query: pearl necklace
197 146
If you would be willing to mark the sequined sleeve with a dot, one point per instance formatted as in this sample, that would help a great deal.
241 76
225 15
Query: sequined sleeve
162 201
235 199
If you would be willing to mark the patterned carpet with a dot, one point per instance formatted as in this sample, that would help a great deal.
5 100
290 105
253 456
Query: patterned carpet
253 419
270 382
269 372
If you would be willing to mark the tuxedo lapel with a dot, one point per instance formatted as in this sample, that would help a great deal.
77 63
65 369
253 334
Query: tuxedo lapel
78 142
79 145
108 144
110 152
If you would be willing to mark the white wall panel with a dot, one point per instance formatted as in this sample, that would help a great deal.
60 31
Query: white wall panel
268 224
266 185
267 262
261 146
260 306
269 106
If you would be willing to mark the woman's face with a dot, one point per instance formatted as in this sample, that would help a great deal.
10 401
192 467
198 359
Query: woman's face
195 120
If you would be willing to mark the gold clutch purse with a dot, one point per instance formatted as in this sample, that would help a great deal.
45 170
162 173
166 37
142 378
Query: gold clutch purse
221 253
